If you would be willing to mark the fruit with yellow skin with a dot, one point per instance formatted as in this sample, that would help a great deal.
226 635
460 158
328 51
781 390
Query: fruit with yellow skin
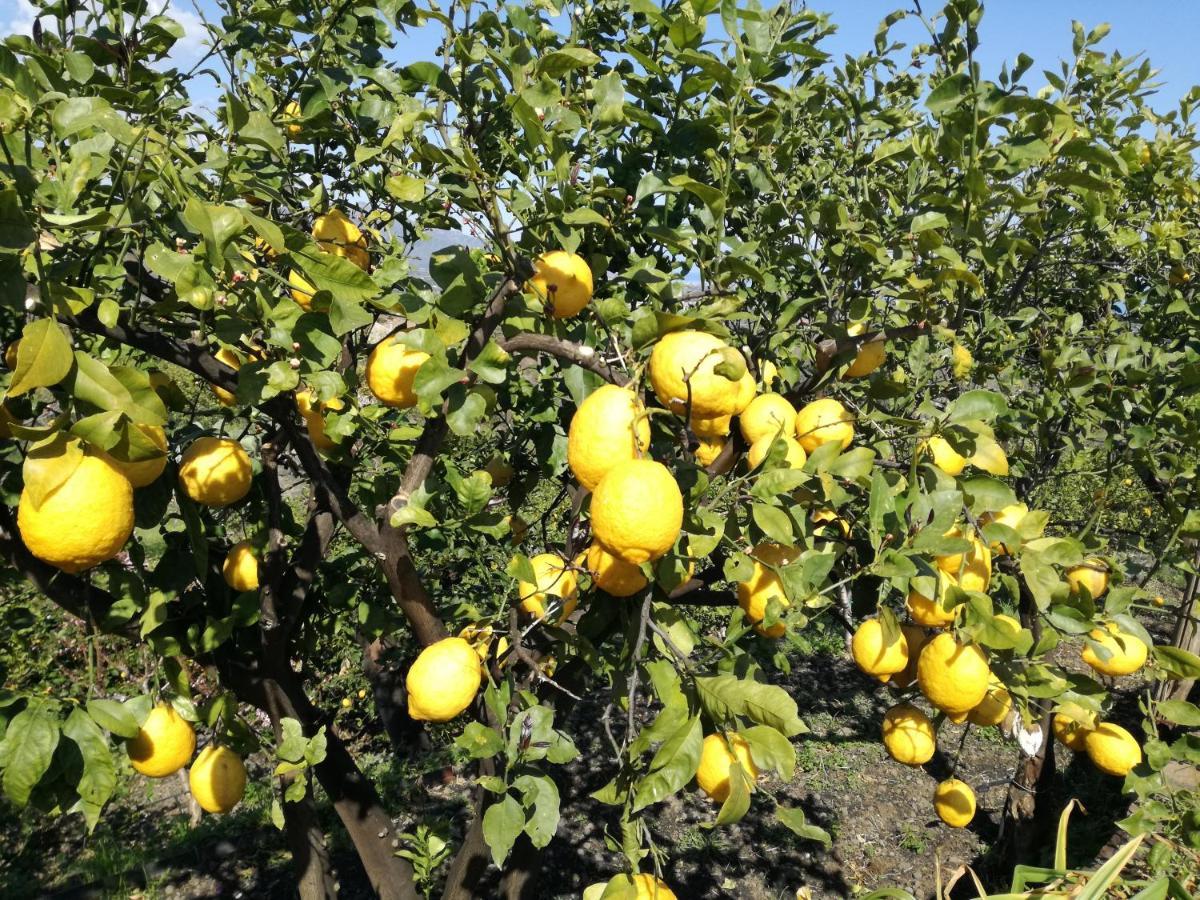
716 759
163 745
443 680
908 735
766 416
518 528
929 612
478 636
994 707
240 568
610 427
291 112
338 235
553 578
143 471
794 455
954 802
1126 653
961 361
637 511
684 358
746 391
83 522
500 470
1093 575
822 422
217 779
989 456
945 457
563 282
953 677
391 369
972 569
311 410
875 654
870 355
828 516
716 427
215 471
1112 749
10 355
1010 516
231 359
302 289
612 574
708 450
1071 734
650 888
756 592
915 639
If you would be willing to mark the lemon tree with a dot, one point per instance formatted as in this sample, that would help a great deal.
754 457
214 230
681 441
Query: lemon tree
731 343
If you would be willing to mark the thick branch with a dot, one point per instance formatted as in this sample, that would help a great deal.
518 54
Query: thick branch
528 344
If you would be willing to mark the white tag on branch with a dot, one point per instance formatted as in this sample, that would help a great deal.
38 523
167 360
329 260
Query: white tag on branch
1029 741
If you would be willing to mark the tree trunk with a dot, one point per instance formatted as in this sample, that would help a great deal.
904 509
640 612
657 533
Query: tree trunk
1186 636
387 688
306 841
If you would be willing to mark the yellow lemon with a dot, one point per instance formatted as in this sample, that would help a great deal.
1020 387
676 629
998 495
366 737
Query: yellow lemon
651 888
478 636
1071 734
500 470
746 390
302 289
1093 575
915 639
994 707
824 421
825 516
292 111
83 522
443 681
794 455
989 456
164 743
756 592
311 410
610 427
954 802
612 574
217 779
972 569
767 415
927 611
143 471
231 359
215 471
716 427
1126 653
961 361
716 759
908 735
637 511
952 676
708 450
391 370
1112 749
10 355
875 654
338 235
870 355
945 457
1011 516
684 359
240 568
563 282
553 578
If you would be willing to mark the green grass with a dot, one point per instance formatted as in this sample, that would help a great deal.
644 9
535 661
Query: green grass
913 840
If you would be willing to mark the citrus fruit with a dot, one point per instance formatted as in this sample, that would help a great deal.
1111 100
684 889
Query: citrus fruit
708 450
338 235
972 570
915 639
756 592
1011 516
1112 749
746 390
994 707
794 455
612 574
955 803
637 511
500 470
908 735
953 676
563 282
553 578
826 516
10 355
443 680
929 612
143 471
302 289
84 521
391 370
877 653
824 421
961 360
716 427
215 471
1070 733
479 637
217 779
518 528
164 743
688 358
292 111
716 759
1126 653
234 361
651 888
610 427
240 568
312 411
870 355
767 414
944 456
1092 575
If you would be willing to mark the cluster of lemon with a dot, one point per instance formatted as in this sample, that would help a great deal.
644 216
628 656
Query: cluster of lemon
956 678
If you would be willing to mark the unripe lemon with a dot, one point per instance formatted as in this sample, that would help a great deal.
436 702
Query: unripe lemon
563 282
824 421
443 681
908 735
945 457
143 471
1112 749
217 779
716 427
994 707
83 522
651 888
1070 733
614 575
610 427
915 639
929 612
1127 653
708 450
953 676
554 578
716 759
500 470
746 390
391 369
756 592
954 802
1011 516
240 568
767 415
870 355
164 743
794 456
314 422
637 511
875 654
231 359
1093 575
684 358
302 289
215 471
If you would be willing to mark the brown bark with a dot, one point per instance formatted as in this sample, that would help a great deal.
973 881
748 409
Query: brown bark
1185 635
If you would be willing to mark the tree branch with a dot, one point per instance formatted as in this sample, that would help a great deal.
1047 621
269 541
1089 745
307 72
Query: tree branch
529 344
830 350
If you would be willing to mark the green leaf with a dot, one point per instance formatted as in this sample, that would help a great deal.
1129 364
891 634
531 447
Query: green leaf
117 388
771 751
502 825
539 796
979 404
737 802
114 717
335 274
405 188
773 522
986 494
608 99
99 777
49 463
216 225
27 749
1176 662
557 63
726 696
927 221
44 357
673 766
1180 712
347 315
949 93
260 130
795 820
15 231
479 742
